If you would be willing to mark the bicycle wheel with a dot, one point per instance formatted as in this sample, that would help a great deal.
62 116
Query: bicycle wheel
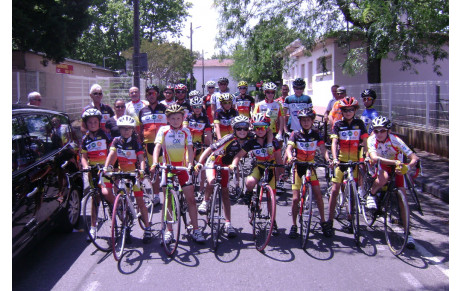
264 218
396 221
149 205
368 214
216 216
413 192
354 202
342 201
170 222
119 225
96 209
306 213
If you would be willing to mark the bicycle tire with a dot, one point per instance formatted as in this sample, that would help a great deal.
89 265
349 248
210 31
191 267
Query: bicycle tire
354 202
306 213
342 200
170 216
368 214
414 193
216 216
264 218
119 225
150 207
103 222
396 231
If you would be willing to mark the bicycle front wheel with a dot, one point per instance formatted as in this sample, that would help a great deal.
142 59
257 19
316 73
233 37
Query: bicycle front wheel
149 205
306 213
264 218
170 222
216 216
119 225
396 221
96 214
354 211
413 192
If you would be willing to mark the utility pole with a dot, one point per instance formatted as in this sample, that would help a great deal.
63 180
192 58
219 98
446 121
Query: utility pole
136 44
191 56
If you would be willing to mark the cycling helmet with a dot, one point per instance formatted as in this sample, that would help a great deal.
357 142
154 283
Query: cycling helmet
126 120
210 83
307 112
369 93
152 87
269 86
348 102
180 87
341 89
194 93
196 101
169 87
225 97
91 112
242 84
175 108
299 83
222 80
260 119
381 121
240 119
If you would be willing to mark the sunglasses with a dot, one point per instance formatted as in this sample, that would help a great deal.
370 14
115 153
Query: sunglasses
242 87
197 106
226 102
365 99
151 93
125 128
348 110
180 91
167 92
211 87
341 93
97 93
297 88
133 93
260 127
242 128
269 92
120 106
380 130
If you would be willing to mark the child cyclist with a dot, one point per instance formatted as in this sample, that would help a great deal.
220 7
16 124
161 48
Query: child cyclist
176 143
127 150
94 151
305 142
388 149
264 151
244 102
347 134
369 113
223 117
222 153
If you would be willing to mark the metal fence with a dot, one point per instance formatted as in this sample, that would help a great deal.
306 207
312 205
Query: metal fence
421 105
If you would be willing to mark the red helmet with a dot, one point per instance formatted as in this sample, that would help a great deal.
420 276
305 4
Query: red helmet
260 119
180 87
348 102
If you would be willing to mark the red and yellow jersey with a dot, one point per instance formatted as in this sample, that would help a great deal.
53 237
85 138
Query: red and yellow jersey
127 152
207 103
260 151
273 109
152 120
106 112
197 125
95 147
305 144
244 105
224 120
391 148
133 109
174 143
349 136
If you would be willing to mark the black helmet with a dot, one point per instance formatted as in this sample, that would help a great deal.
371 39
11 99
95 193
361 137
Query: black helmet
222 80
152 87
370 93
299 83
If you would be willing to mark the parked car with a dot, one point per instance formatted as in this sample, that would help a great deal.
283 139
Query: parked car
44 150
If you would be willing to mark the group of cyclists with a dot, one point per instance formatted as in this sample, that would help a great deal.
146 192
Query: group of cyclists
220 128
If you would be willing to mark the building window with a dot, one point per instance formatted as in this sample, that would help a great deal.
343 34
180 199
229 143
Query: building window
324 65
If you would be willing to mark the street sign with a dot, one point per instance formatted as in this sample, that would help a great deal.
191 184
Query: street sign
64 69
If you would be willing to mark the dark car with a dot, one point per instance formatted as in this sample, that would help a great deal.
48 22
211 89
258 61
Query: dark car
44 151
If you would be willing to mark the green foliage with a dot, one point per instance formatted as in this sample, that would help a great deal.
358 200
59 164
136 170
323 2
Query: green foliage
50 27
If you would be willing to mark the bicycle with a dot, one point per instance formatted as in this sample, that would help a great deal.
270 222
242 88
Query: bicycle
97 212
124 210
306 200
410 185
262 209
239 182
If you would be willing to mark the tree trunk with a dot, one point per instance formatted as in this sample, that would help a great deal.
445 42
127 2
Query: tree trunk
373 71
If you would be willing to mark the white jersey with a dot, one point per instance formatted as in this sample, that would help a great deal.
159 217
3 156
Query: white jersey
168 103
392 148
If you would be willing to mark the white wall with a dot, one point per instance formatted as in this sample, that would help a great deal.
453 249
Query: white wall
213 73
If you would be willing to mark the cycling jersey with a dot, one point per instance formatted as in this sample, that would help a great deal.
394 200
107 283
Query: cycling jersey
305 144
280 100
186 105
261 151
273 110
349 137
368 115
244 104
294 104
127 152
174 143
391 148
133 108
335 113
197 125
215 98
105 110
224 119
95 147
227 148
207 103
152 120
168 103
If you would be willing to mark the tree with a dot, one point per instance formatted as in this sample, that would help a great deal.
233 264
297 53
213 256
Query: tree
412 30
50 27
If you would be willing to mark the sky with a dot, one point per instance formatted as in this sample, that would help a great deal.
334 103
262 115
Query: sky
204 20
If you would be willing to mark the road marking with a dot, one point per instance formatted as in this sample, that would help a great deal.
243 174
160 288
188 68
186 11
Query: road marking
434 260
145 275
412 281
93 286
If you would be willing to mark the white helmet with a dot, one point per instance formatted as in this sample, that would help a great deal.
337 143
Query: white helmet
196 101
194 93
210 84
381 121
126 120
91 112
240 119
269 86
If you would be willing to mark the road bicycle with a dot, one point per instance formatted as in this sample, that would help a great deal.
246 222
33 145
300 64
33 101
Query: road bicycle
410 185
262 209
238 187
308 209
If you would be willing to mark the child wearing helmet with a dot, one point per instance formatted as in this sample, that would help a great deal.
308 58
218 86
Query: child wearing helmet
295 103
223 88
223 117
244 103
347 134
305 142
128 151
222 153
176 143
272 109
387 148
368 96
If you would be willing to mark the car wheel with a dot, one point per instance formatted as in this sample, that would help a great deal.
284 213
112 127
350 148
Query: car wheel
71 214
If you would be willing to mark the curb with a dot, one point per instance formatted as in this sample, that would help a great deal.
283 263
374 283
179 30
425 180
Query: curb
442 192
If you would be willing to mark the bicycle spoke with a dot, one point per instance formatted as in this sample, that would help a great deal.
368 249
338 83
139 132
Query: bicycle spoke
396 221
264 218
119 225
170 222
306 215
96 213
216 216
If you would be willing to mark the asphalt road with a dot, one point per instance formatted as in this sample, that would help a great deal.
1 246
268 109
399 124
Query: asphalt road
68 262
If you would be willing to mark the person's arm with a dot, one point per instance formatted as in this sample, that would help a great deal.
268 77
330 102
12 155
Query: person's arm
289 152
111 158
205 155
141 160
83 128
324 152
213 110
217 129
334 149
191 156
156 154
84 160
281 125
413 160
237 158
